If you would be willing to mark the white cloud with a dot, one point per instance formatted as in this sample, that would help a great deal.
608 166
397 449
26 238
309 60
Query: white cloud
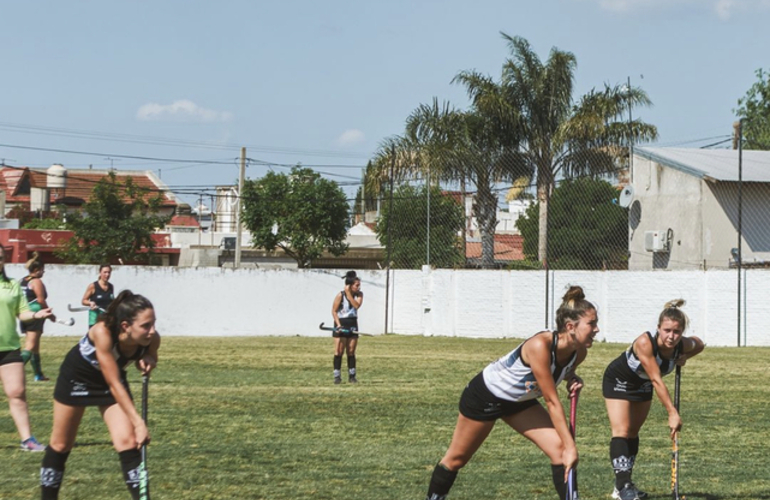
182 110
351 137
724 9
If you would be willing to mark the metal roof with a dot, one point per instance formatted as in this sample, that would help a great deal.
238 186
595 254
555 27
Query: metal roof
712 164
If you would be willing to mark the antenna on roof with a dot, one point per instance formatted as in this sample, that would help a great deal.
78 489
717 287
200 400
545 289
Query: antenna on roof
626 196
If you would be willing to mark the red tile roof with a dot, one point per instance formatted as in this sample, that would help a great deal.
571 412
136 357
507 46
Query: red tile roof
15 181
508 247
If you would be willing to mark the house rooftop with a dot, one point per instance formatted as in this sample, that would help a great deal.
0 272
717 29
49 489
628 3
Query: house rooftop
712 164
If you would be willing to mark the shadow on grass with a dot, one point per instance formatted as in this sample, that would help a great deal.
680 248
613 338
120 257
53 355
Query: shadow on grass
708 496
92 443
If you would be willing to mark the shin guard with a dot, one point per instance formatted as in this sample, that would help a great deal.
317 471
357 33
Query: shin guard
131 463
52 473
440 483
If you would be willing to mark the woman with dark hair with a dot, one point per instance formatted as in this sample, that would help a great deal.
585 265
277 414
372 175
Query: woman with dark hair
13 306
627 388
508 389
34 289
94 374
345 313
99 294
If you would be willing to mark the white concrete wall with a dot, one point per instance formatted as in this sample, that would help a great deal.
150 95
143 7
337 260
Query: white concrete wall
467 303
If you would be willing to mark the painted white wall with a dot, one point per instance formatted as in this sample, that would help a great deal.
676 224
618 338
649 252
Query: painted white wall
466 303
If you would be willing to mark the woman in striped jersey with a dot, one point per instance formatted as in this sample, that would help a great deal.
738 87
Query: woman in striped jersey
508 389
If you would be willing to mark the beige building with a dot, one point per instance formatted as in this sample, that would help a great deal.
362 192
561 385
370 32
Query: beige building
684 209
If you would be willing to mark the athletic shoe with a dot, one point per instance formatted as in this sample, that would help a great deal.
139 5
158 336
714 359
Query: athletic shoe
639 493
31 444
352 379
41 378
337 380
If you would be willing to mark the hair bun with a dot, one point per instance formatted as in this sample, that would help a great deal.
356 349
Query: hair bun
350 275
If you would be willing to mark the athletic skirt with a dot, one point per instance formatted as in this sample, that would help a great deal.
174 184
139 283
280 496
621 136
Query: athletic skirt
8 357
350 324
80 384
32 326
478 403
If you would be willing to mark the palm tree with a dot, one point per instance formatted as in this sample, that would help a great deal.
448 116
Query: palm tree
562 138
446 144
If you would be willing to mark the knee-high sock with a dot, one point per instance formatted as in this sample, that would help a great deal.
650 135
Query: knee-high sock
622 461
36 367
26 355
352 365
131 463
337 365
51 473
557 474
440 483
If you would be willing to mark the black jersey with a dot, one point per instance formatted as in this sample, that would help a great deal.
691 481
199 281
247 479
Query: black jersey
626 375
34 305
102 298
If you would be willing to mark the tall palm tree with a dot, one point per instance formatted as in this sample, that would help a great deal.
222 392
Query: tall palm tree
565 138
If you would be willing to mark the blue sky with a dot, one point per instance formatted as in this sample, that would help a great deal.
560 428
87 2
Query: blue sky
324 82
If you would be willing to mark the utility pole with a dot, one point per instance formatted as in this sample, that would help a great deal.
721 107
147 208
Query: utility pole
239 205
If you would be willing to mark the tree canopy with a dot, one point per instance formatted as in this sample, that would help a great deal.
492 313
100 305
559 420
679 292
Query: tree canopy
754 109
588 230
301 213
403 229
116 224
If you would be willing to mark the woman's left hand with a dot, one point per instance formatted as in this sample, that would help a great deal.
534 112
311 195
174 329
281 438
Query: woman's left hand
146 364
574 385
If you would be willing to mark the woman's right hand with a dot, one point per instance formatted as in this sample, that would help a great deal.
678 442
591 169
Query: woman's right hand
141 434
674 423
570 459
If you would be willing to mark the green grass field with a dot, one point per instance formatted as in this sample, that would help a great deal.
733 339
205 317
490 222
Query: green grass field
259 418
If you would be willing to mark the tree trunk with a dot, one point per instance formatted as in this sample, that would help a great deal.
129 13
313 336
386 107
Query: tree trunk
486 215
544 185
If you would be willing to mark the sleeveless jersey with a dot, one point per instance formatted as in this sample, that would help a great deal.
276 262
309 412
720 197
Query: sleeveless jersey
627 366
102 298
88 353
34 305
346 310
511 379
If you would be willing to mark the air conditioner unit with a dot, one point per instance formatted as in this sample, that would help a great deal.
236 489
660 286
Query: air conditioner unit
657 241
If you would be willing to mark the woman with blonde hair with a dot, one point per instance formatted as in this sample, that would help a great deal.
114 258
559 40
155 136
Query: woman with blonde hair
13 306
34 289
509 388
628 384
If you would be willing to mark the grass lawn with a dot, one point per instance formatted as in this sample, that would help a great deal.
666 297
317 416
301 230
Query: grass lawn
259 418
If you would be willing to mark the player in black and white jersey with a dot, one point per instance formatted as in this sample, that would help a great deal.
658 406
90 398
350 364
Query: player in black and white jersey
99 294
94 374
628 384
345 313
508 389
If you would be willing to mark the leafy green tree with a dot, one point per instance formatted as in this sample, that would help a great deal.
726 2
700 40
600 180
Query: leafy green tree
754 109
49 223
588 230
116 224
301 213
406 222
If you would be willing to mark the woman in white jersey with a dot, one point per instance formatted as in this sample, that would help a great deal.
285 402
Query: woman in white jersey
508 389
345 313
627 388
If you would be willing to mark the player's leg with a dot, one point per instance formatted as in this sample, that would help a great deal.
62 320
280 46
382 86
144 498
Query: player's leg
352 343
339 348
66 420
12 377
32 346
124 442
468 436
626 419
535 424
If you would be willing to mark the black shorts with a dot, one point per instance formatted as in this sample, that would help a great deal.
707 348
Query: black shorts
32 326
615 388
80 384
8 357
350 324
478 403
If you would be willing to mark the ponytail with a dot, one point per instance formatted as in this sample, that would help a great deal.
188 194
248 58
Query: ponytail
673 312
573 307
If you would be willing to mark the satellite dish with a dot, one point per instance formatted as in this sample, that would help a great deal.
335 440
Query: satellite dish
626 196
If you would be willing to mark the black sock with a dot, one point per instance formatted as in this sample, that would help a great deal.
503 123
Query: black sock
51 473
622 461
131 463
633 449
557 474
337 365
37 367
352 365
440 483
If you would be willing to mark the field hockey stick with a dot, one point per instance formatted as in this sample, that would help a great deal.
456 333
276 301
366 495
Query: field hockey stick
572 487
343 331
675 445
72 309
66 322
144 479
